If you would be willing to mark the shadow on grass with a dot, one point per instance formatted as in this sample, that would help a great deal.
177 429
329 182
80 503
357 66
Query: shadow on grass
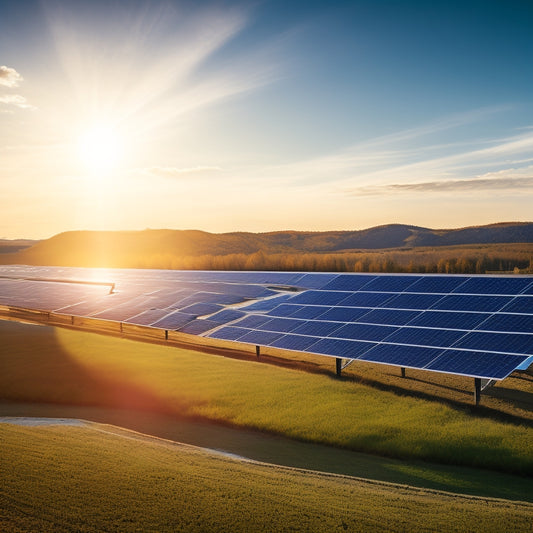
41 369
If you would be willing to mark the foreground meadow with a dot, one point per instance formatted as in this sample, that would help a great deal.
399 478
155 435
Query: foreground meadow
60 366
99 478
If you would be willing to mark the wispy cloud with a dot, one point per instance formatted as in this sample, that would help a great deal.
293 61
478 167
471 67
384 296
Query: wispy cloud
9 77
447 186
15 100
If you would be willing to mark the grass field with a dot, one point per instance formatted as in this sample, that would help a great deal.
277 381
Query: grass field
100 478
44 364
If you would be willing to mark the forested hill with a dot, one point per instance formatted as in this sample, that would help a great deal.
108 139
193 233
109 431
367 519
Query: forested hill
178 248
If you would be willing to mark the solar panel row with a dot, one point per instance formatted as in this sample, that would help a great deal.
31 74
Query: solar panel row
472 325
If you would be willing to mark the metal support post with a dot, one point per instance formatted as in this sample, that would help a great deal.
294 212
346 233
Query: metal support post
257 351
477 390
403 371
166 334
338 366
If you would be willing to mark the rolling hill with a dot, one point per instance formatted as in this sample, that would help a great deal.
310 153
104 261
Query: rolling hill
157 248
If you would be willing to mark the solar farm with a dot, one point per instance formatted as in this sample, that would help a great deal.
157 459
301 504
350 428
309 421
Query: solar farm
475 326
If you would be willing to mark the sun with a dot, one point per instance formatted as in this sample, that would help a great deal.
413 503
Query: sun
100 149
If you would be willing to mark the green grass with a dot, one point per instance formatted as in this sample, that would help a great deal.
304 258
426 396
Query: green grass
98 478
57 365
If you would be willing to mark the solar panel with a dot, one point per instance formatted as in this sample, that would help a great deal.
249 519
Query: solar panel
493 285
448 319
299 343
174 320
515 343
391 283
470 325
406 356
227 315
520 304
348 349
317 328
341 314
507 322
461 302
437 284
426 336
201 309
146 318
197 327
476 364
366 332
347 282
284 310
282 325
392 317
229 333
412 301
315 297
365 299
311 311
253 321
262 338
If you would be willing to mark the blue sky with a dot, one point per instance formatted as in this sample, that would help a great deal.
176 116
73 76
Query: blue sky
264 115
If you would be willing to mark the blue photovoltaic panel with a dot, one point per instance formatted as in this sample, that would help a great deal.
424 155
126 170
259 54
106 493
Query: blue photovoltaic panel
210 297
516 343
520 304
342 314
412 301
529 288
253 321
283 325
261 338
391 283
426 336
348 349
146 318
173 321
299 343
284 310
505 322
459 302
310 312
315 281
365 299
228 333
317 328
201 309
408 356
267 305
313 297
364 332
437 284
197 327
493 285
476 364
227 315
348 282
388 317
448 319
